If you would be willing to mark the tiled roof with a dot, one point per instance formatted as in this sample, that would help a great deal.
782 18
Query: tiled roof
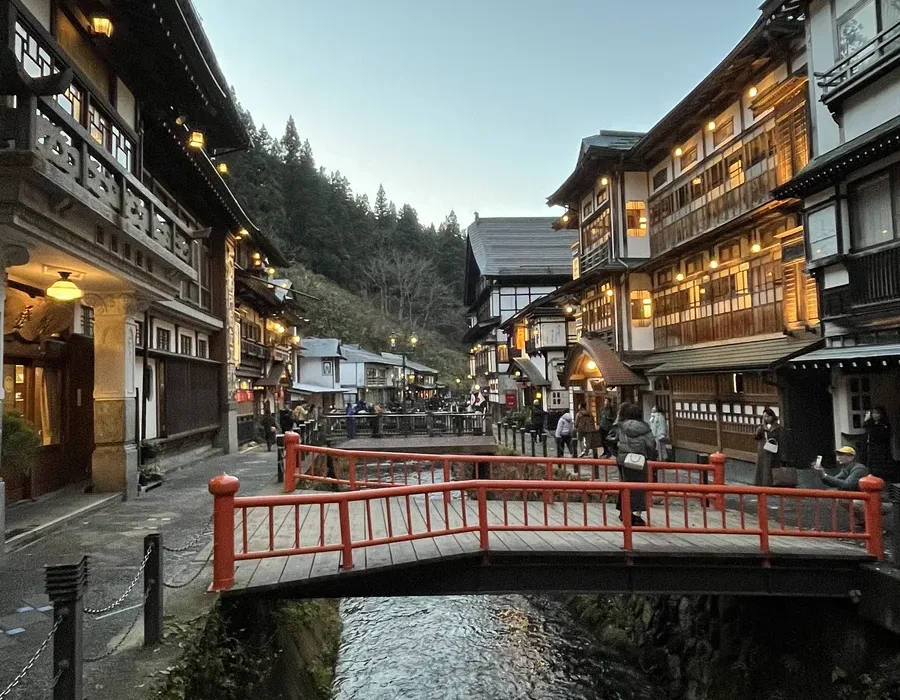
531 371
613 140
320 347
354 353
752 355
520 247
611 368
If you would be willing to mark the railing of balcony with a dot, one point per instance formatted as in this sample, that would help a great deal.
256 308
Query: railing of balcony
713 209
594 256
878 52
250 348
96 158
875 277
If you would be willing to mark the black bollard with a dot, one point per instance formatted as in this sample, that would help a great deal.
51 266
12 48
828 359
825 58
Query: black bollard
153 590
65 585
533 453
544 443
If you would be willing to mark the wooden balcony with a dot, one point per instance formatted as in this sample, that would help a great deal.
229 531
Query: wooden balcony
79 166
865 65
250 348
714 209
874 277
596 255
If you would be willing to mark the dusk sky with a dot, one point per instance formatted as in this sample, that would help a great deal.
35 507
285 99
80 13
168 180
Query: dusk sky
472 105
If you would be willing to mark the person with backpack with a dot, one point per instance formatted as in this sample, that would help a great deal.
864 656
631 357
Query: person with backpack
585 429
635 447
565 426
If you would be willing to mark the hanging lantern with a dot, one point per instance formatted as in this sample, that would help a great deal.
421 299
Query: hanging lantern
64 289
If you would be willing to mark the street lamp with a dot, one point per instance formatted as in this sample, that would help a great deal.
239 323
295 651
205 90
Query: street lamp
404 345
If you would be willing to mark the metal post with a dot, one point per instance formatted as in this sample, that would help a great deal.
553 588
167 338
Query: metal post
65 585
279 457
153 590
533 452
544 443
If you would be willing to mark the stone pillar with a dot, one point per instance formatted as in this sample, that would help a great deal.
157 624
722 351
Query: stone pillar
223 343
9 255
115 461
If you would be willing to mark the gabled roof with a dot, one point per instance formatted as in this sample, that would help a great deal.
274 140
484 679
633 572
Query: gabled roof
520 247
320 347
418 367
601 150
354 353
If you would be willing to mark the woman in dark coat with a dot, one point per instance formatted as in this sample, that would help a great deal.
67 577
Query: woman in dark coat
766 459
633 436
877 449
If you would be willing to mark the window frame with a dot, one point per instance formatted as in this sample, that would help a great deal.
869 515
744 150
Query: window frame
892 174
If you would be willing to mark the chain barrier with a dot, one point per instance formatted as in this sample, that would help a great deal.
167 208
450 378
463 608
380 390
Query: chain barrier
193 578
49 693
121 599
207 529
27 667
110 652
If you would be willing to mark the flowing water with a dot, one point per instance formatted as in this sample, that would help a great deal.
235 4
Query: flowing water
475 648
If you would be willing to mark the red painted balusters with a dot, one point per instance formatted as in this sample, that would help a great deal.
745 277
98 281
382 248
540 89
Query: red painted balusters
717 462
223 488
872 487
291 461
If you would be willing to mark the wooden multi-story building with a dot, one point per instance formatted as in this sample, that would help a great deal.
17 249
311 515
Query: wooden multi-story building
119 238
510 262
691 275
851 206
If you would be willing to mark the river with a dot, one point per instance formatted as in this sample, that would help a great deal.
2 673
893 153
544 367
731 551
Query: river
476 648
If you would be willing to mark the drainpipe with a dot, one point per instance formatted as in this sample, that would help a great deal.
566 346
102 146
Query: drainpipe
145 373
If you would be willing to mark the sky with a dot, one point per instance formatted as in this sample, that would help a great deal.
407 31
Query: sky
470 105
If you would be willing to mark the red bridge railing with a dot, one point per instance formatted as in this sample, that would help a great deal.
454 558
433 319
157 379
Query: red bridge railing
260 527
307 465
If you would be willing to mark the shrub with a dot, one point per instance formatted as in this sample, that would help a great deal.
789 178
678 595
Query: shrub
21 443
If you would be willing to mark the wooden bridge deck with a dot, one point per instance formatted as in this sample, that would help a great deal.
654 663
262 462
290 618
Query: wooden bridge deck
541 559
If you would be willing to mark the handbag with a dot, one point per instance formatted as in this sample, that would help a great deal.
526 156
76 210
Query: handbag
770 445
635 461
785 477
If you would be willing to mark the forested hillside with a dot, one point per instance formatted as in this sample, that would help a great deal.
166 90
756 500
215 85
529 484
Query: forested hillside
411 275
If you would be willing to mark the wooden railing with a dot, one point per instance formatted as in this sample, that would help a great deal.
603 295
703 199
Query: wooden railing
874 277
689 223
570 508
869 61
250 348
337 426
593 257
81 164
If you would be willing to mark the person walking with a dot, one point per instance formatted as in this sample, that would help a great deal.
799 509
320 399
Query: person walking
538 418
565 426
585 429
605 424
636 446
877 453
269 426
768 456
660 427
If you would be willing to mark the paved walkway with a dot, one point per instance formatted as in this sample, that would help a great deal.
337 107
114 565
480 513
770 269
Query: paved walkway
113 537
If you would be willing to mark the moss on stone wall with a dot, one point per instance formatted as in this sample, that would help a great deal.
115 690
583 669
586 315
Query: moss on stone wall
718 648
246 650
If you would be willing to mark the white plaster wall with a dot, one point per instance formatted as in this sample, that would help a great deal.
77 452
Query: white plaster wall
872 106
826 134
836 276
152 405
41 9
126 104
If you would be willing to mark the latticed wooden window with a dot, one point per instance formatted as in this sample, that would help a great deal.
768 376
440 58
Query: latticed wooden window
792 144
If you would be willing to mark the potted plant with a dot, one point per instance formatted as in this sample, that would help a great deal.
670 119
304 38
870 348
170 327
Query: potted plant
18 454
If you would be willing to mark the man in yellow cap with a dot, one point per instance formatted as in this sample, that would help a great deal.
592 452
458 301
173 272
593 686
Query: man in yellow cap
847 479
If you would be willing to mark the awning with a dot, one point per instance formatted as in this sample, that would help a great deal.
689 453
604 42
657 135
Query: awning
273 378
530 371
737 357
847 354
830 167
481 329
314 389
611 368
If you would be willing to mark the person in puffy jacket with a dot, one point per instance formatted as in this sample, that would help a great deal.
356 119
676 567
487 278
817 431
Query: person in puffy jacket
633 436
565 426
